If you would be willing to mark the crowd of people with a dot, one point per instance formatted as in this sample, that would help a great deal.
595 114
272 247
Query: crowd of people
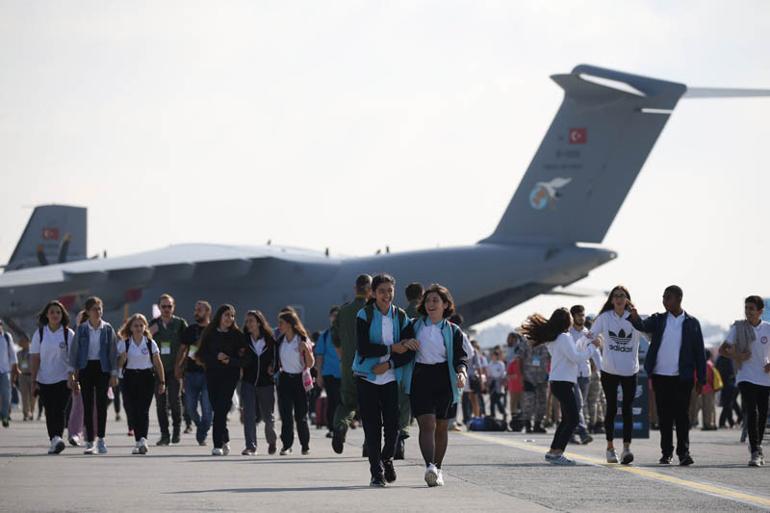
384 367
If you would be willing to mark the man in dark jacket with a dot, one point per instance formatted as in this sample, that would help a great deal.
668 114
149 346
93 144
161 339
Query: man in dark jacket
676 354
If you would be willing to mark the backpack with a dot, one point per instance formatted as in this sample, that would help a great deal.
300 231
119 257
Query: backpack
487 424
40 334
149 350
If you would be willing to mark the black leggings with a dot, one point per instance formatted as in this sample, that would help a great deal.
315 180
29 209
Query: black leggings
610 384
94 383
754 399
293 408
564 391
54 399
139 387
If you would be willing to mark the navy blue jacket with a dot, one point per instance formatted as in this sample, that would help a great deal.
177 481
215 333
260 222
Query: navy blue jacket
692 355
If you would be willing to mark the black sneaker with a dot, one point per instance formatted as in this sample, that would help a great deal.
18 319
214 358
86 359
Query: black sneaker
377 482
6 422
539 429
338 441
271 449
164 440
188 429
390 471
666 459
686 460
586 440
175 438
364 452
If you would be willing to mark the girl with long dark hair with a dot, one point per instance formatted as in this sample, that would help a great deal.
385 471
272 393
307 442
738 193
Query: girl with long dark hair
295 355
620 365
220 352
257 383
437 376
51 372
566 354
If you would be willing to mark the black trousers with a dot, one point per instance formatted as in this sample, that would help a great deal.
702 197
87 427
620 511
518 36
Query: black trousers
293 407
221 386
672 398
610 384
54 399
564 391
170 399
140 385
754 398
378 406
94 384
126 404
332 386
729 405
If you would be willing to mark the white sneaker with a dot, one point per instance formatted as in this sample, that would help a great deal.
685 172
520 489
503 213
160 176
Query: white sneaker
755 460
226 449
90 448
561 460
217 452
101 446
612 456
627 456
57 445
142 445
135 450
431 475
440 478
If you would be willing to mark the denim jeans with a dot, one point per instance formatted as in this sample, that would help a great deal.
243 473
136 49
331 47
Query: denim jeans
195 390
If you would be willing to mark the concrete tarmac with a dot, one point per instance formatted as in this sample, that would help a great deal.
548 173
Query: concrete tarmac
486 472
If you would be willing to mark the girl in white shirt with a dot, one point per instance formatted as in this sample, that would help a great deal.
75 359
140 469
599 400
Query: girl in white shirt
138 355
52 374
620 365
295 354
566 354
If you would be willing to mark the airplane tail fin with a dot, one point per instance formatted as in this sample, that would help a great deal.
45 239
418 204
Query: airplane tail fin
54 234
593 151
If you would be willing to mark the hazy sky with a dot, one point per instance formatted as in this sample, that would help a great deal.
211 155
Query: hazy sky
306 122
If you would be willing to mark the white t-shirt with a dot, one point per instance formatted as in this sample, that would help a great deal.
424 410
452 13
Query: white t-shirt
584 368
137 358
620 353
7 352
387 339
432 349
258 345
667 363
94 340
291 360
566 354
54 358
753 369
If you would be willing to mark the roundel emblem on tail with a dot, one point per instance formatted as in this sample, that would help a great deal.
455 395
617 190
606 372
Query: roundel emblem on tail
546 193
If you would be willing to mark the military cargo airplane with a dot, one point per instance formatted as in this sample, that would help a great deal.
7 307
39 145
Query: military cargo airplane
596 145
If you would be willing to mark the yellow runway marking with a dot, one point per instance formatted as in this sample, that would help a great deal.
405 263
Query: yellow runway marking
714 490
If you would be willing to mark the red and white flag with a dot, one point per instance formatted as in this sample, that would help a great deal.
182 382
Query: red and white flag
578 135
50 234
